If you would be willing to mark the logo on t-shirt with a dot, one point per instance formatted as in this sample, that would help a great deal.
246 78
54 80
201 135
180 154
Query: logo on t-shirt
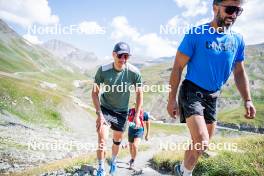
220 46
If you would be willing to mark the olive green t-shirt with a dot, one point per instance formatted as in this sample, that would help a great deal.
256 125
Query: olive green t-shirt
117 85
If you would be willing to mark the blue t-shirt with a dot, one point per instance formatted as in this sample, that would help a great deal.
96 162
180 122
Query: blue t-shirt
212 56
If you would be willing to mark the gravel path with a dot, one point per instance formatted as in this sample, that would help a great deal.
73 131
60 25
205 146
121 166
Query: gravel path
24 145
142 163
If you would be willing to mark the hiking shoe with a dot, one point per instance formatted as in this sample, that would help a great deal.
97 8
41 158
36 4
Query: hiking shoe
177 170
112 168
100 172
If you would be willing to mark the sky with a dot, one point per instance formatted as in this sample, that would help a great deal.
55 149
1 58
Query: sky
151 28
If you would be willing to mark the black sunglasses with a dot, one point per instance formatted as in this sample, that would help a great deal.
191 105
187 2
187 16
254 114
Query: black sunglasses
230 10
123 55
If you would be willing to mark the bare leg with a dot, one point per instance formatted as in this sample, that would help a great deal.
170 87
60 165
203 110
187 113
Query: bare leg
117 137
102 137
200 135
131 149
135 148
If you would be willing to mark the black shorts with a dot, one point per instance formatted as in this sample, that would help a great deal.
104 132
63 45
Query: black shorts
194 100
116 120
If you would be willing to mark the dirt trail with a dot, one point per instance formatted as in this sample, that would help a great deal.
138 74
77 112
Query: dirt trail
24 145
78 120
142 163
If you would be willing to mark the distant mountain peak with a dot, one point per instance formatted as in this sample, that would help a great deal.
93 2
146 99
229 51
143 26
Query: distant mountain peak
59 48
71 54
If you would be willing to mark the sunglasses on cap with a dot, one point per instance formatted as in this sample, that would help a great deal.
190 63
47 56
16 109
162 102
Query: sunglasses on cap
230 10
124 55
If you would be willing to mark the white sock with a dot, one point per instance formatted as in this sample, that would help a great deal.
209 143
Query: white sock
182 166
113 158
185 171
100 164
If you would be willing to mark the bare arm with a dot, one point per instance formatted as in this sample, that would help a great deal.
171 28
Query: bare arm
241 81
180 62
242 85
95 97
139 103
96 102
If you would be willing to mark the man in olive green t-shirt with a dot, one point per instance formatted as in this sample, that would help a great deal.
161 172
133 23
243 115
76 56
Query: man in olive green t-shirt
117 79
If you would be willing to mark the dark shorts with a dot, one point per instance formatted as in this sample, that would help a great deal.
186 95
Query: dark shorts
116 120
135 133
194 100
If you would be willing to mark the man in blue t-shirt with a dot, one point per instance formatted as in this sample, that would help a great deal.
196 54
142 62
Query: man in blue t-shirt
211 52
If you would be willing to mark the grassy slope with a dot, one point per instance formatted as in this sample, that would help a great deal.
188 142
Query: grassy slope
225 163
236 116
157 128
33 65
155 102
42 110
8 63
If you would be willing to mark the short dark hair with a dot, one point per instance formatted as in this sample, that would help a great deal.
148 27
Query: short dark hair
220 1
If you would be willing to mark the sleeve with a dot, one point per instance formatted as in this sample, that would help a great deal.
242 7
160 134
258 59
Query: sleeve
240 56
98 76
138 80
187 45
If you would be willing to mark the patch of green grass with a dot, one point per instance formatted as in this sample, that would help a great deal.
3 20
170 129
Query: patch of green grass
236 116
56 165
166 160
248 162
157 128
62 78
10 63
31 104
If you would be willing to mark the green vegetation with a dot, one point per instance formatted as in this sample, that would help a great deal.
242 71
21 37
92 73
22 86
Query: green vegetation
157 128
9 63
236 116
157 78
56 165
23 67
247 161
30 103
62 78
